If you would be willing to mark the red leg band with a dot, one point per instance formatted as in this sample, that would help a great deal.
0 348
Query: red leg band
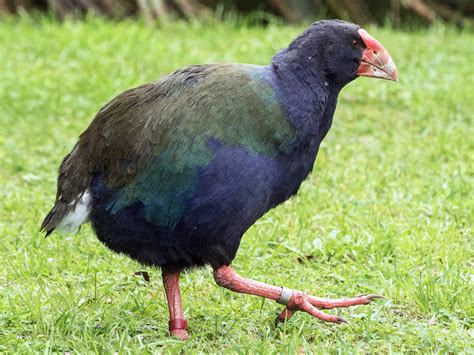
177 324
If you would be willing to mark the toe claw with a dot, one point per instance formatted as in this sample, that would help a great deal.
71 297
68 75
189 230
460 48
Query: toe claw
374 297
370 297
283 316
278 321
341 320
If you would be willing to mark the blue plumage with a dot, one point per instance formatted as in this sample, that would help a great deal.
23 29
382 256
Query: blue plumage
199 218
179 169
172 173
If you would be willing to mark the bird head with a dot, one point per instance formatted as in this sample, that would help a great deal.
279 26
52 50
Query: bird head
343 51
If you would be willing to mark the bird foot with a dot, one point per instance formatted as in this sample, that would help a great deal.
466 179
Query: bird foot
300 301
179 328
181 334
294 301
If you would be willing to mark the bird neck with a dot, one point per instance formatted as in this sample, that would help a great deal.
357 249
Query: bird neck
307 96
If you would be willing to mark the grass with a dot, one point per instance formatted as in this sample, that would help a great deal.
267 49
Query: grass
388 208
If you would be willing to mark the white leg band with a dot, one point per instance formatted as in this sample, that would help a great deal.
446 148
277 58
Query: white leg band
285 296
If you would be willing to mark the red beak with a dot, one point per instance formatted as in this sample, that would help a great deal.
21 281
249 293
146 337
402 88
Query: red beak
375 61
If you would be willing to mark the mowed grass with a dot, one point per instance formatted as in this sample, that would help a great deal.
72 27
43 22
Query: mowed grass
388 208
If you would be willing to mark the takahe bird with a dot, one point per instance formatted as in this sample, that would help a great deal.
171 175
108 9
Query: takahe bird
172 173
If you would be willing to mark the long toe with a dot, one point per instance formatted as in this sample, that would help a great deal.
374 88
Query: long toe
325 303
309 308
313 305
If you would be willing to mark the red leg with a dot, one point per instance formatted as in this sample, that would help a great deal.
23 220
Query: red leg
294 300
178 326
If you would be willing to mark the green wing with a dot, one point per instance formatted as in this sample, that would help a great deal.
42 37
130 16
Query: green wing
149 142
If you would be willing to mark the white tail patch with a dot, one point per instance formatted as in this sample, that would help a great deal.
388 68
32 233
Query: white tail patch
74 218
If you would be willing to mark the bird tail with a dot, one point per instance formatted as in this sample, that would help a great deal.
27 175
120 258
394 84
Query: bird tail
68 217
53 217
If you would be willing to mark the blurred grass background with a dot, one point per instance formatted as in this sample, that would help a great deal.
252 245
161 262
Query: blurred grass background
407 13
388 209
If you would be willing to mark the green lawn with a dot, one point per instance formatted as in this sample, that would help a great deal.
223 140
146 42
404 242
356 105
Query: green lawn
388 208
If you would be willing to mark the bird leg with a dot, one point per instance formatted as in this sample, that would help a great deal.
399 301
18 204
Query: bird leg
178 326
294 300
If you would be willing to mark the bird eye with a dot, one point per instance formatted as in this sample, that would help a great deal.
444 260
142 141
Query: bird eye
354 43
